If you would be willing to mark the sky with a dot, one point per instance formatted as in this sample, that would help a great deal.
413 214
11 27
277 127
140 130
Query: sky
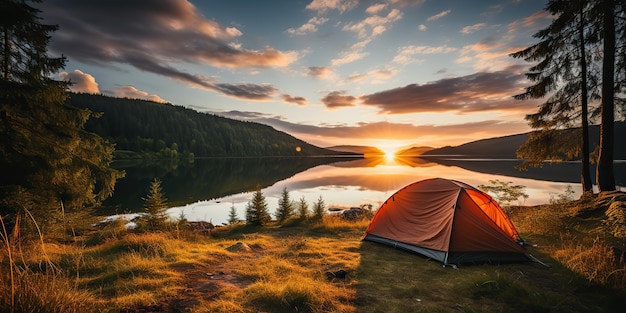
383 73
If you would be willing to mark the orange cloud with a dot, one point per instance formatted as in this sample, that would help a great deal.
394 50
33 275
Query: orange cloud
482 91
81 82
295 100
338 99
156 34
438 15
322 6
133 93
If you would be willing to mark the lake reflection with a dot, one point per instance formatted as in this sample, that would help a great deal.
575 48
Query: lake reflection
206 189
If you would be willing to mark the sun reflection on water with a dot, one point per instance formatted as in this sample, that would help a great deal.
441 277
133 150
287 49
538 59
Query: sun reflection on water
359 182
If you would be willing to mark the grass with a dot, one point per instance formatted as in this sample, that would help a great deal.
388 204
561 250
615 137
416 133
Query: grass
283 268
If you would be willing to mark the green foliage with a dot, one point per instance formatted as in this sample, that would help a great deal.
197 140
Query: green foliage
257 212
162 130
232 216
566 196
302 208
285 207
504 192
550 145
48 161
319 208
155 205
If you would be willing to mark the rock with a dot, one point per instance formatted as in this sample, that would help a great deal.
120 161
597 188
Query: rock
239 247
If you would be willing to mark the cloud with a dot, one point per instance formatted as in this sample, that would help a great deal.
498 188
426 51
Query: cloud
320 71
473 28
440 134
348 57
374 25
338 99
309 27
489 54
405 54
81 82
247 91
323 6
478 92
406 3
295 100
535 20
374 9
356 77
375 76
132 93
422 27
151 36
438 15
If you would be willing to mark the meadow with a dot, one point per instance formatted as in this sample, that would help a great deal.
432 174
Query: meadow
292 267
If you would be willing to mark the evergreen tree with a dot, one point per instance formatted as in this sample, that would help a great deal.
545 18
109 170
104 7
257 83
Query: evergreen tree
285 207
319 208
570 56
257 212
154 206
303 208
232 216
605 178
47 159
562 75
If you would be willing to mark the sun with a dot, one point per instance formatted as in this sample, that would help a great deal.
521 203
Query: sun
390 155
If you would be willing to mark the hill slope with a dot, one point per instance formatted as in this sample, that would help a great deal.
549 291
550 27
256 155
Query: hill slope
170 131
505 147
365 150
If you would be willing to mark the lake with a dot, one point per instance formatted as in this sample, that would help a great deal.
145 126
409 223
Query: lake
206 189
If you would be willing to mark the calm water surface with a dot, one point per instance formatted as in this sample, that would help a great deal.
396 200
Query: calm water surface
207 189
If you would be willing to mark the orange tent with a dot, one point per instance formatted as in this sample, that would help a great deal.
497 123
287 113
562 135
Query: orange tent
448 221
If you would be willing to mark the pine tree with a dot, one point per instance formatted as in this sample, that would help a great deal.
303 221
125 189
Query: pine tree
154 206
303 209
257 212
319 208
285 207
604 171
563 75
232 215
46 157
586 38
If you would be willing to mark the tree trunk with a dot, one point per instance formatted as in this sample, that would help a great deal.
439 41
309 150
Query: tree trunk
585 177
604 172
7 50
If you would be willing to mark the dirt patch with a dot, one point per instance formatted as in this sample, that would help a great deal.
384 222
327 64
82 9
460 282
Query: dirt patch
209 281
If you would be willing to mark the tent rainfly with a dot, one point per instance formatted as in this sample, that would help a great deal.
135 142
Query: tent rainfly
449 221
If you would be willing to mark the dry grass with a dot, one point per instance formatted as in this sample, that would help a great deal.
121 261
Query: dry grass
587 236
283 269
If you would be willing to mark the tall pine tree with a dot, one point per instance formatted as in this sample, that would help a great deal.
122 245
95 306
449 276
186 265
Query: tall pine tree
562 75
48 161
257 212
285 207
578 45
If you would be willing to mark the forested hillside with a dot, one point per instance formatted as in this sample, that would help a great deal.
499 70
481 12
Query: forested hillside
505 147
148 129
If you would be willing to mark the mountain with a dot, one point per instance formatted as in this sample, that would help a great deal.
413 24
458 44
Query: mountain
414 151
505 147
364 150
146 129
498 147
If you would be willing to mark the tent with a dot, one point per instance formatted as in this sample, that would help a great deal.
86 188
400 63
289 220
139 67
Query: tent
449 221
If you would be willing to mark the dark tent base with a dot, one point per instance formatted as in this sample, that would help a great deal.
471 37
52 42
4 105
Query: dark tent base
454 258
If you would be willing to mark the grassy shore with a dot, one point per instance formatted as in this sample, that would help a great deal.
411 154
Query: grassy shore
285 268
